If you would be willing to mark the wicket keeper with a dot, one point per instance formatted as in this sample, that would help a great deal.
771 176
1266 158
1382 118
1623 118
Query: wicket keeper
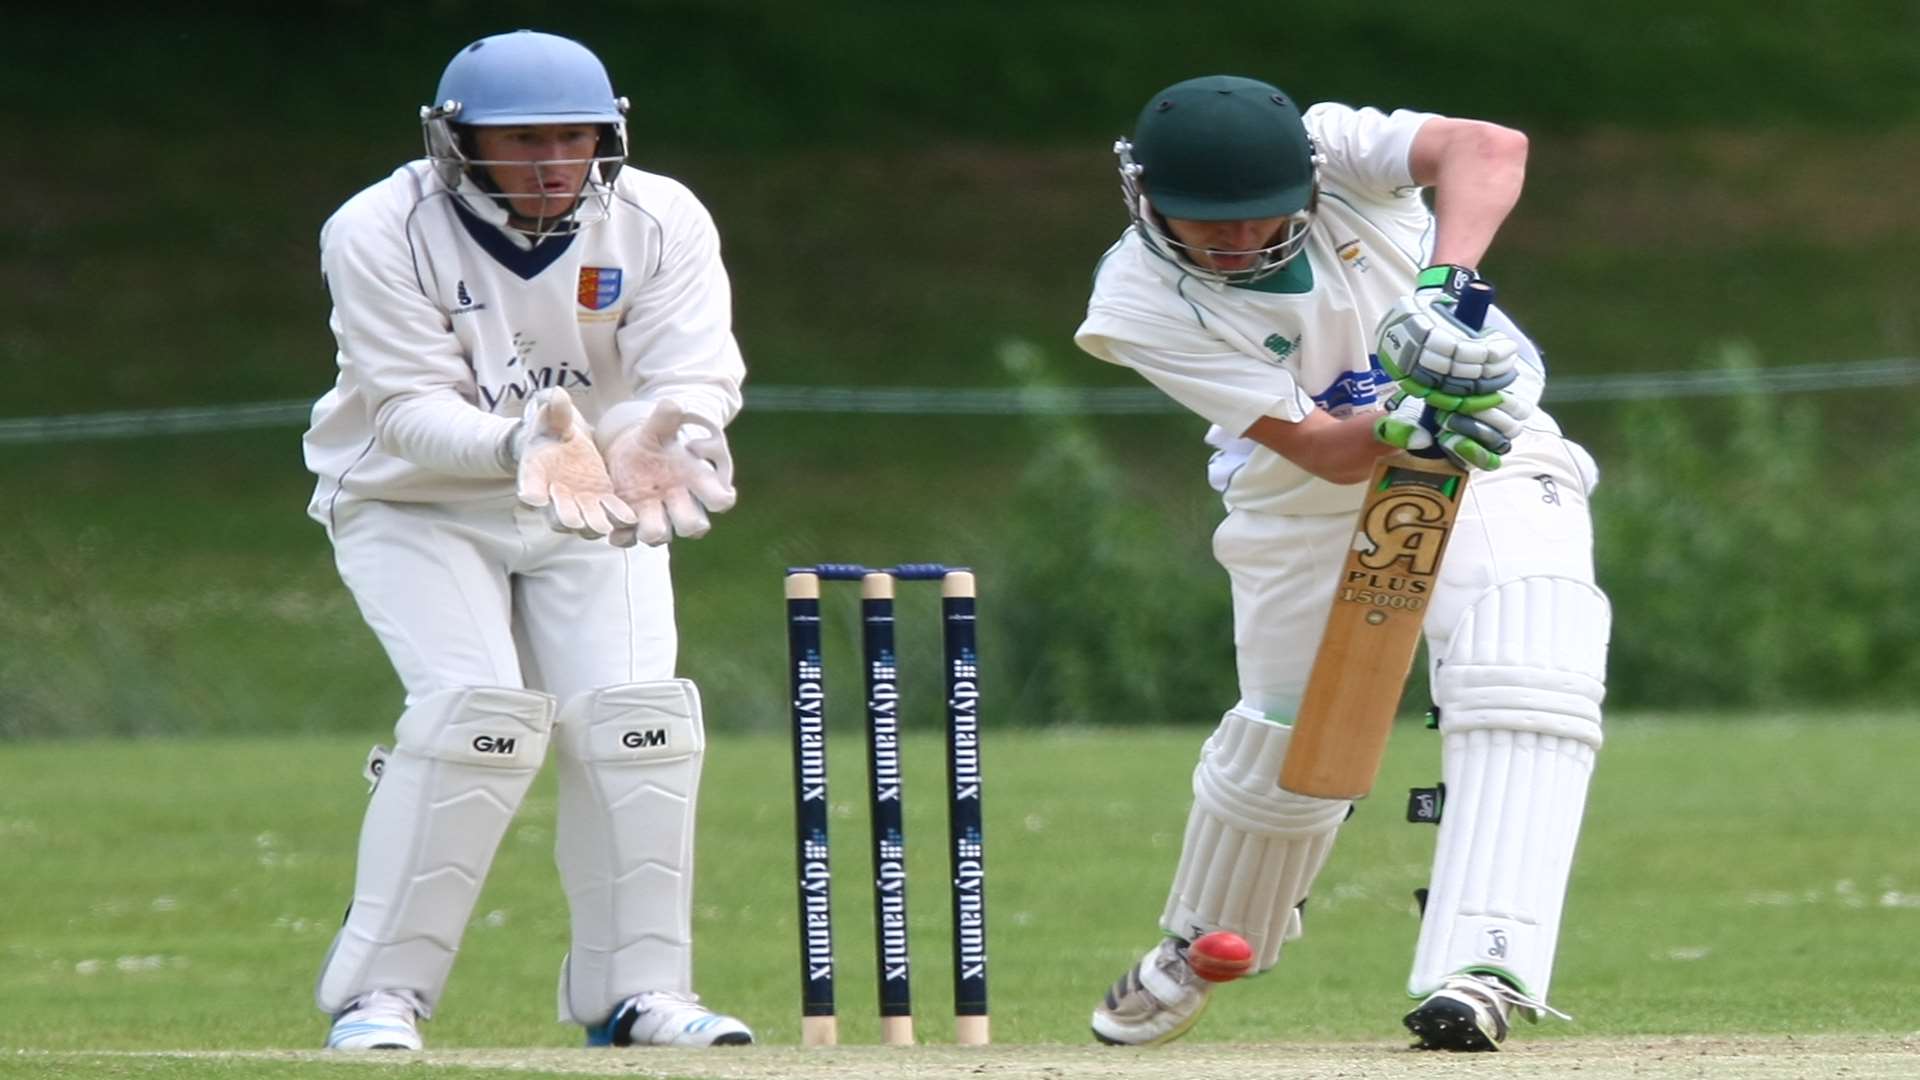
536 370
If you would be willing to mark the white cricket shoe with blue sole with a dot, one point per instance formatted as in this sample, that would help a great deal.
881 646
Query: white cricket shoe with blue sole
659 1018
382 1020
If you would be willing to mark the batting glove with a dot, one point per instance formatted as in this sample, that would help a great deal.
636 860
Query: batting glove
1436 357
1470 441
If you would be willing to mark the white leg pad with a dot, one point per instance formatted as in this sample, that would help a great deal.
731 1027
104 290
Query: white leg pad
1252 850
1519 694
462 761
629 760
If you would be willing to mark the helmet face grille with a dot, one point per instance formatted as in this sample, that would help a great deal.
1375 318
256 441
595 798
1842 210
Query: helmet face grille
1150 222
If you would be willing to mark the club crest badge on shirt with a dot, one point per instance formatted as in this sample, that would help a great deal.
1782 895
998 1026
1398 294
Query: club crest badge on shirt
599 286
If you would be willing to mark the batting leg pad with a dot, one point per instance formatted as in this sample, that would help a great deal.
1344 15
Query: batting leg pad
629 761
1252 850
461 763
1519 694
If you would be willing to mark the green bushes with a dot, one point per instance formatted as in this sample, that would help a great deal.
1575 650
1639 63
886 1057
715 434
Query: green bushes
1758 549
1113 611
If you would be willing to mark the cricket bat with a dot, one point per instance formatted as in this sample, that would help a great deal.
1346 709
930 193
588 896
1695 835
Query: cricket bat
1379 604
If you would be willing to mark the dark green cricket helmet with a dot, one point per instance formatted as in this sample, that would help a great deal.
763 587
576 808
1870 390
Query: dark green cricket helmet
1221 148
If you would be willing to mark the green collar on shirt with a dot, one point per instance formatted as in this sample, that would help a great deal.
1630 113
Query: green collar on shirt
1295 277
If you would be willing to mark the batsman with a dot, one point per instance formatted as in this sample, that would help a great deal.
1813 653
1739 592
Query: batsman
1292 277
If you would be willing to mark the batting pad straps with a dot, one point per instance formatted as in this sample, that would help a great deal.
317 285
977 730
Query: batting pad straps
461 764
1529 655
1235 780
629 761
1519 693
1251 850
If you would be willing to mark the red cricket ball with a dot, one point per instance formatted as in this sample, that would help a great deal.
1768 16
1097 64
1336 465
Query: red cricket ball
1221 956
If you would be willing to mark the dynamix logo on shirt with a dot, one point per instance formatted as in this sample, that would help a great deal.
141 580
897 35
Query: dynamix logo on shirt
1282 347
536 379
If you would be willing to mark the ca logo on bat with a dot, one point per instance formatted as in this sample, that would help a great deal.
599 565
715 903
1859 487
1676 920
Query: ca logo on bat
1409 527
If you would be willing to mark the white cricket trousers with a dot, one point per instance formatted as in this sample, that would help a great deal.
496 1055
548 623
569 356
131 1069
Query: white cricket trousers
487 594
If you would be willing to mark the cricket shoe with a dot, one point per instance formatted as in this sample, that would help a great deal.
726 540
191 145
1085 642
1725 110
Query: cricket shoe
1156 1001
661 1018
381 1020
1471 1013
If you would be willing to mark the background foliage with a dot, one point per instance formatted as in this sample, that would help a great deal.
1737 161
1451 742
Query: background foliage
915 195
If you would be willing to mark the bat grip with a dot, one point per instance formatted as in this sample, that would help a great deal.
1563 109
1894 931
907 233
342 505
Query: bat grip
1475 299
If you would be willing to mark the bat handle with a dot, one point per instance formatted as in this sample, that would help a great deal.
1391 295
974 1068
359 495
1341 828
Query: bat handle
1475 299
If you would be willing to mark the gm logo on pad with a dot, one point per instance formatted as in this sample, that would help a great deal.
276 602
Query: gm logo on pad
644 738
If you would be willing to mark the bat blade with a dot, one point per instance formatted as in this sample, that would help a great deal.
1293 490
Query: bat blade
1373 630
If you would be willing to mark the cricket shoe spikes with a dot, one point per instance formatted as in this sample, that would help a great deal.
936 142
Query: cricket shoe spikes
660 1018
1156 1001
381 1020
1471 1013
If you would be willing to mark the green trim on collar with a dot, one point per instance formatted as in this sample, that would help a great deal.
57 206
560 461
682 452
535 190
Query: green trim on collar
1295 277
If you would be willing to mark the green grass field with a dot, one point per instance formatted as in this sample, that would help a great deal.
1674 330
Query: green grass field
1738 875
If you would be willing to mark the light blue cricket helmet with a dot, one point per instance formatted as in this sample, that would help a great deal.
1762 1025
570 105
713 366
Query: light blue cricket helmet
525 77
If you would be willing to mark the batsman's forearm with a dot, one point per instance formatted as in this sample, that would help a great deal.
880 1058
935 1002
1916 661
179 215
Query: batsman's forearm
1339 451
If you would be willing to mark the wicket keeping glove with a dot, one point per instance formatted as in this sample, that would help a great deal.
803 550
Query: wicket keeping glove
1470 441
671 479
559 470
1436 357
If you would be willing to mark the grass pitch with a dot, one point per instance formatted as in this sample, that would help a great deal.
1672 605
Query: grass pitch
1737 877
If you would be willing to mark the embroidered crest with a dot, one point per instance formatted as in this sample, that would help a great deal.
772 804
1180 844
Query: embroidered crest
599 286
